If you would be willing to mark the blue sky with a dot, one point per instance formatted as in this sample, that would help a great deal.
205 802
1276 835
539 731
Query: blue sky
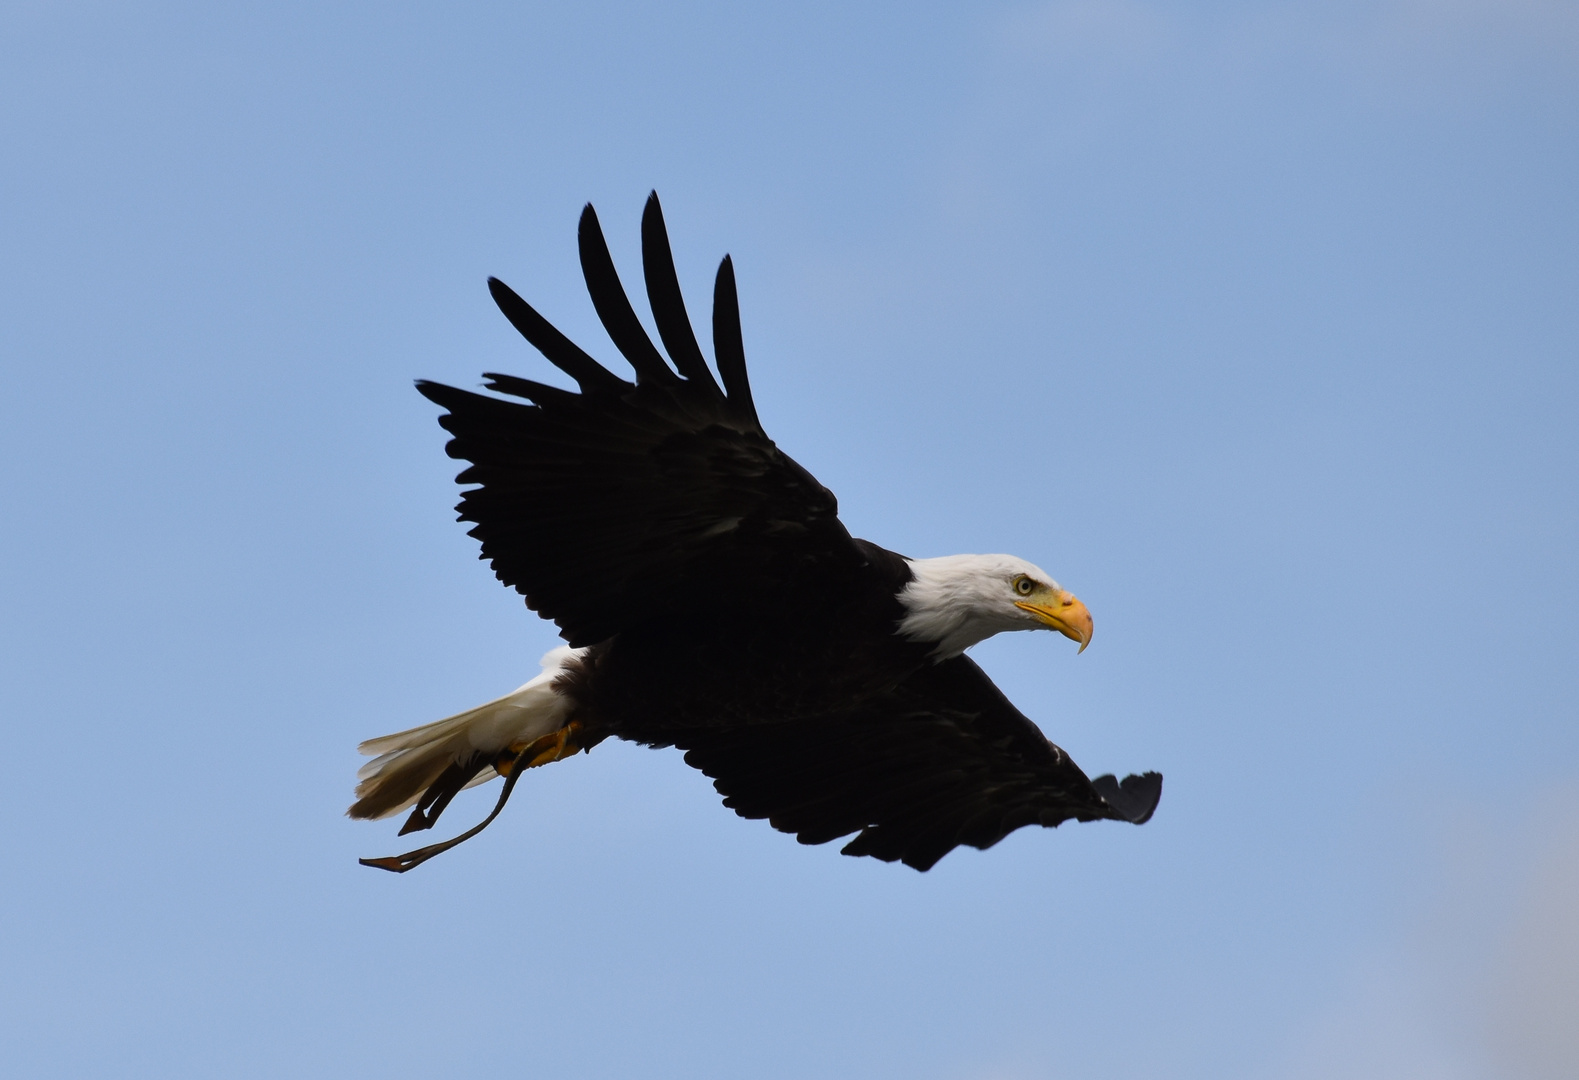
1257 325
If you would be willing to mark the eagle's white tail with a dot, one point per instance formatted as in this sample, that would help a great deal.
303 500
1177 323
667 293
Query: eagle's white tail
407 764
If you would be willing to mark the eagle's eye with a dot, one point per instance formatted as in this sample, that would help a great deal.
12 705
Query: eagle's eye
1024 585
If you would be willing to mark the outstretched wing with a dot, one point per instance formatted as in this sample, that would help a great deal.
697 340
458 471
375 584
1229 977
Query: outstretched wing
627 500
942 760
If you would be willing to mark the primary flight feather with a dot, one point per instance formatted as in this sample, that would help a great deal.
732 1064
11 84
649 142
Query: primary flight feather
712 601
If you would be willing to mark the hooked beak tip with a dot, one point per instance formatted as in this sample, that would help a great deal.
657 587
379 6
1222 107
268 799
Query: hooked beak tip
1069 617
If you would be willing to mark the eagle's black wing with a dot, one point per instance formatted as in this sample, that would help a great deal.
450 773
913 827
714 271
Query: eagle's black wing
942 760
621 502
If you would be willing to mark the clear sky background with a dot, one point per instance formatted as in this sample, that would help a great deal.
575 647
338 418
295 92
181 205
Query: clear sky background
1255 324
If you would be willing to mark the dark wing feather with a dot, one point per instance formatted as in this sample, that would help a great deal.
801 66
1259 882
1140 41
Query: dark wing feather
625 502
728 350
663 294
560 350
614 307
942 760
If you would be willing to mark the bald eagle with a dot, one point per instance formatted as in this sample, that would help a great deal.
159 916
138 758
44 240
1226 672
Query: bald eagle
712 601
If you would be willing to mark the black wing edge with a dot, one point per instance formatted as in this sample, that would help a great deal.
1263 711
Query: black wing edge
668 305
619 319
1135 798
912 789
559 350
614 307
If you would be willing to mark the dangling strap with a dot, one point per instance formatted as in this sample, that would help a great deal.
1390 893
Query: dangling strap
399 864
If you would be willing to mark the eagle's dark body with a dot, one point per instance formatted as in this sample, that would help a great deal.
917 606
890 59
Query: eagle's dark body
722 607
821 643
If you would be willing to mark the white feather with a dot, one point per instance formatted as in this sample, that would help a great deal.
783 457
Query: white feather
415 758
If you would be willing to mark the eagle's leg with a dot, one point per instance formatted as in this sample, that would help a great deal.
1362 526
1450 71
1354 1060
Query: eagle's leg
510 763
551 747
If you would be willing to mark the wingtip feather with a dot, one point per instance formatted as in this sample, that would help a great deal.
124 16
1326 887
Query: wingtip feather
614 307
666 300
559 350
729 348
1135 799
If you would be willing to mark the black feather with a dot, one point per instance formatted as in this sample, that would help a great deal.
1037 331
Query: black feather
729 348
614 307
668 306
556 347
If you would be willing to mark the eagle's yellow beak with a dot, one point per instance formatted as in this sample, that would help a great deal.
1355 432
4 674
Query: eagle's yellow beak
1062 612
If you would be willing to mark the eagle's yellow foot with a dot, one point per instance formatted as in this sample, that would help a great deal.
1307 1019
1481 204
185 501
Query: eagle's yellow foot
551 747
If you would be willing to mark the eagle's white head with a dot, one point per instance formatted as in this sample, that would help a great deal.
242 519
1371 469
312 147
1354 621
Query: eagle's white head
958 600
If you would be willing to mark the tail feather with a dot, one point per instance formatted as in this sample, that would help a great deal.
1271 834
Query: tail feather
407 764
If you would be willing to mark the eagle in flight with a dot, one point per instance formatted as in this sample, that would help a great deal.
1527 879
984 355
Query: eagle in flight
712 601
